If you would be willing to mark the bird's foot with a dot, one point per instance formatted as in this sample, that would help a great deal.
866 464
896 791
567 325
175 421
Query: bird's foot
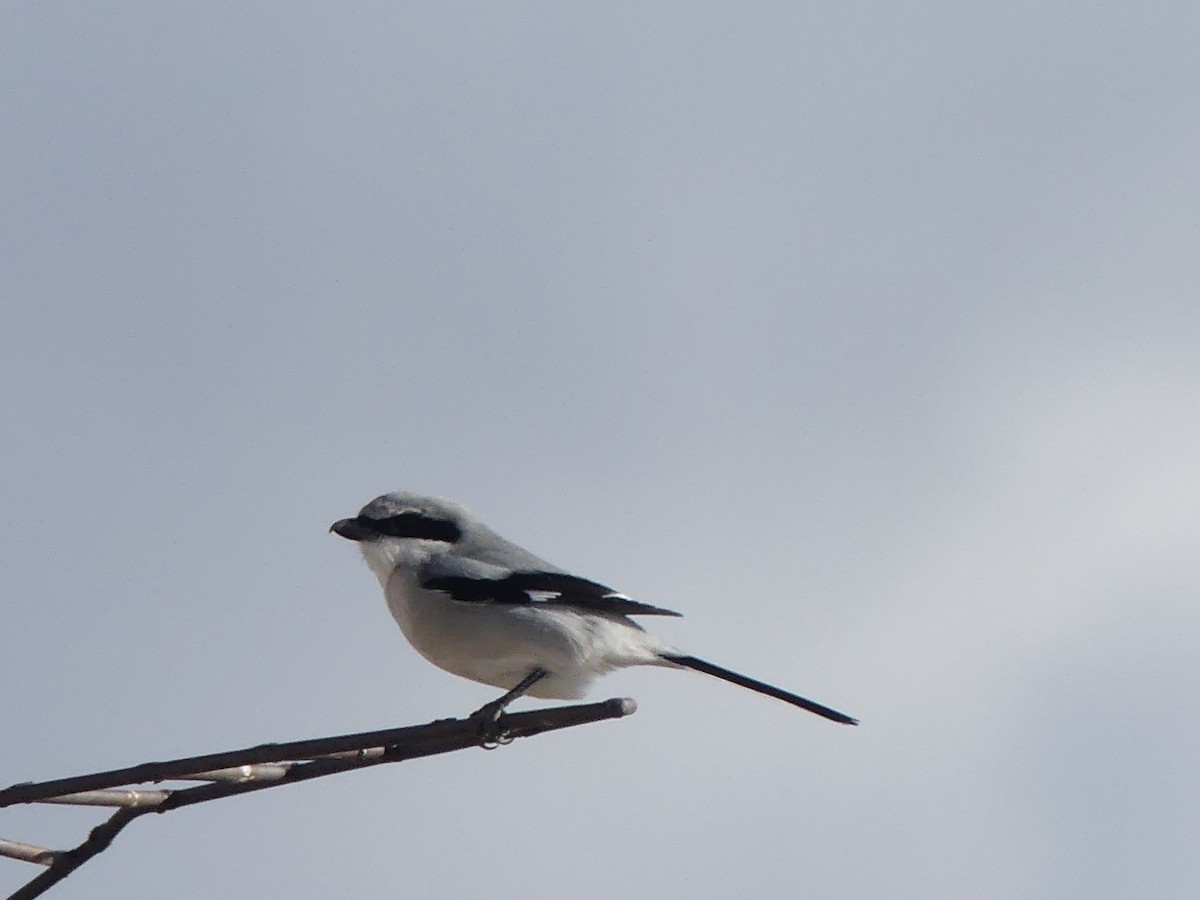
489 721
491 732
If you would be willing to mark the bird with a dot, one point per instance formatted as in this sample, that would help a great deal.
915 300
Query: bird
481 607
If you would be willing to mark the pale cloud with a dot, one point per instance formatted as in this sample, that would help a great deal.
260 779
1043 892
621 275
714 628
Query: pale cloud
867 340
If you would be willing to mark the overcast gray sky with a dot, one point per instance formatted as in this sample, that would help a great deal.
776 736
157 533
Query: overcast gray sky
865 334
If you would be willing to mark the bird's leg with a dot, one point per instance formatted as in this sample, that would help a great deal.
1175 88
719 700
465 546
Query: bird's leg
488 715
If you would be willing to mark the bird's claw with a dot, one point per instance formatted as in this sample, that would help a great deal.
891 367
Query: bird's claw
489 722
492 733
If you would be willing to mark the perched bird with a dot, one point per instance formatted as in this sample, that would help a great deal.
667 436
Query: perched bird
481 607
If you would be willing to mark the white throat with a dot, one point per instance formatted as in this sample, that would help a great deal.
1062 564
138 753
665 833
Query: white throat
388 554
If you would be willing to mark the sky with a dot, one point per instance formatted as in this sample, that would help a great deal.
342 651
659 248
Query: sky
864 335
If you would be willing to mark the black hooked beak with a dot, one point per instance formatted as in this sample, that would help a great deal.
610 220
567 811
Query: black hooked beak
356 529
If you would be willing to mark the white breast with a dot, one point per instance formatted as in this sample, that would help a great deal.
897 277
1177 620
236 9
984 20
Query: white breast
499 644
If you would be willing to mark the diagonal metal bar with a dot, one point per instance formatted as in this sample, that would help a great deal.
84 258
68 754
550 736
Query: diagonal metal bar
242 771
26 852
520 724
128 797
67 861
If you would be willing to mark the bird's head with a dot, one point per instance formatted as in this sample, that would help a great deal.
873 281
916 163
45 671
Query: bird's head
403 530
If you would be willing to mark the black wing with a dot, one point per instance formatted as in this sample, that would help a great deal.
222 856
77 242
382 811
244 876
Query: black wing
542 588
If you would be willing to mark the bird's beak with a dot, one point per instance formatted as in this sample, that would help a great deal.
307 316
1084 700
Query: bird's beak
354 530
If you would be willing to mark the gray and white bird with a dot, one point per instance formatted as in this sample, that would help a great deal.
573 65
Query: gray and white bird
481 607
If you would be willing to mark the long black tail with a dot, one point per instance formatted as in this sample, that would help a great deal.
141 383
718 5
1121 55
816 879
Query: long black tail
699 665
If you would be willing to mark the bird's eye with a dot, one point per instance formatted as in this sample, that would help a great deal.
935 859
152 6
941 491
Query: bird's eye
417 525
